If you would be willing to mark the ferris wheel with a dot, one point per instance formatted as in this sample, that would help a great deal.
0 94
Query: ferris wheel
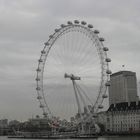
73 67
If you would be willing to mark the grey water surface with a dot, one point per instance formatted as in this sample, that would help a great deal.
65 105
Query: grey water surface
100 138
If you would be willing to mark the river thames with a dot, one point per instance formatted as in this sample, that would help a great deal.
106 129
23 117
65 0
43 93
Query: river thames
100 138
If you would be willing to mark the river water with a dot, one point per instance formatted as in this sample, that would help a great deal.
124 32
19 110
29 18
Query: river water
100 138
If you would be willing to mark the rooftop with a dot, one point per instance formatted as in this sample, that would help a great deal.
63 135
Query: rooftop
124 106
126 73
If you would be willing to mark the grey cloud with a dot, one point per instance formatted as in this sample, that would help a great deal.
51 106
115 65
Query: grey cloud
26 24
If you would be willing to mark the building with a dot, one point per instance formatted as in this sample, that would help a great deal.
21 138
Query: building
3 123
14 123
123 87
101 118
123 117
42 123
3 126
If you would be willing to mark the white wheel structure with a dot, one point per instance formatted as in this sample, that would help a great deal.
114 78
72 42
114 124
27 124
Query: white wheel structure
74 55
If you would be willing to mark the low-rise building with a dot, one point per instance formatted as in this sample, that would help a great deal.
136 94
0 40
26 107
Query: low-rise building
101 118
3 126
123 117
4 123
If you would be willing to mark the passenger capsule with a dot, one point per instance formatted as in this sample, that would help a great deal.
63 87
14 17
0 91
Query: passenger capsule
100 106
38 88
43 52
83 23
108 72
56 30
76 21
50 36
69 23
107 83
37 79
46 43
104 96
108 60
96 31
94 115
38 70
101 39
62 25
41 106
45 114
105 49
90 26
40 60
39 97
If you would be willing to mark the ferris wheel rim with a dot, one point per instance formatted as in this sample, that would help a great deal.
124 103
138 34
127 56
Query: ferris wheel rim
103 58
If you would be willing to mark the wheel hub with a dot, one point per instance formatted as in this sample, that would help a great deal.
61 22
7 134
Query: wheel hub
72 77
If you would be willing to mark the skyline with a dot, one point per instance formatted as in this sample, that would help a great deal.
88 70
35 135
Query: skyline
26 25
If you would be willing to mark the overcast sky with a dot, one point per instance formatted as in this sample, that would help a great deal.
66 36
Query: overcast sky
26 24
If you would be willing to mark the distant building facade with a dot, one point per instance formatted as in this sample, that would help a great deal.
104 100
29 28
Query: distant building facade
4 123
101 118
123 117
3 126
40 123
123 87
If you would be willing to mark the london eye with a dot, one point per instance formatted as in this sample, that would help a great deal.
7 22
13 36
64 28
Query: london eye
73 73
